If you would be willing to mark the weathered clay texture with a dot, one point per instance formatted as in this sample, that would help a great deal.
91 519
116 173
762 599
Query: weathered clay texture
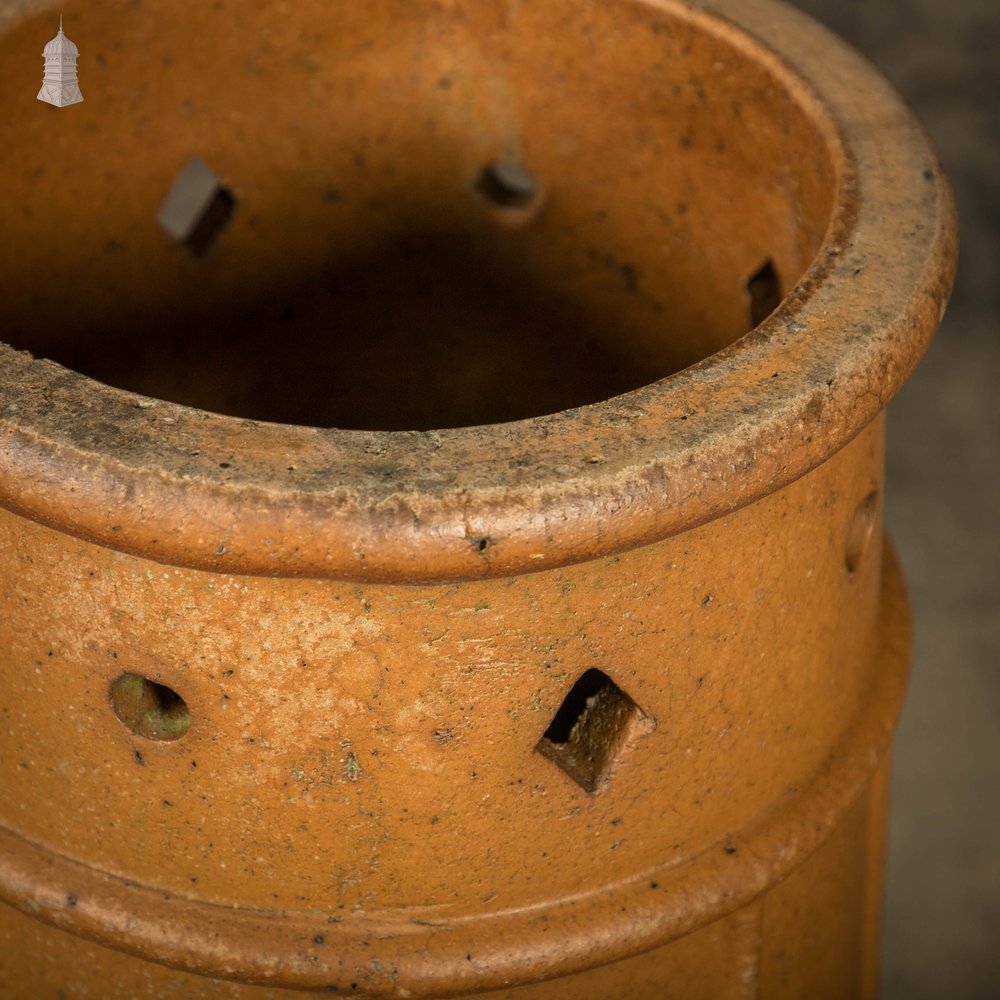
288 705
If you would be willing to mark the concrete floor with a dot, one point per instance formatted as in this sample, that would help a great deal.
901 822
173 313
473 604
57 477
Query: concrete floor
942 918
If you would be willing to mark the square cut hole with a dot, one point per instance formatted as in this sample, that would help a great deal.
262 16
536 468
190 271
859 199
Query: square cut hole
595 723
197 207
764 292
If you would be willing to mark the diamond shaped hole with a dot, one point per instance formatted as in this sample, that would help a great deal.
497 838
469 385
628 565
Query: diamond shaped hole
197 207
764 290
595 723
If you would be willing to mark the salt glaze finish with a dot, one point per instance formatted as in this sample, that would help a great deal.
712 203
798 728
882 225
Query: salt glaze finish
372 631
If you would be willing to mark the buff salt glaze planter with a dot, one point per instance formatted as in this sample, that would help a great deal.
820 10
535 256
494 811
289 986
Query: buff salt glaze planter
526 625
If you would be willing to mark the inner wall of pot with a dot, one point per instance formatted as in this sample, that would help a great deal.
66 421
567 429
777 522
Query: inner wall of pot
364 267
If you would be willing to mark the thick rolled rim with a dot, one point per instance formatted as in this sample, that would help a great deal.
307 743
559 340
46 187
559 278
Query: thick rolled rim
192 488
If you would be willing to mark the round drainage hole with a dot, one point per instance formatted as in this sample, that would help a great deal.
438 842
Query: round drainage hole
150 710
859 534
507 183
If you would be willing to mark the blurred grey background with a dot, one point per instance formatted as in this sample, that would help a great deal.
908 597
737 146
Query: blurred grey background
942 916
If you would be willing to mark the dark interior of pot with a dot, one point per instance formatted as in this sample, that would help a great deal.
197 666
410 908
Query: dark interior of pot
426 215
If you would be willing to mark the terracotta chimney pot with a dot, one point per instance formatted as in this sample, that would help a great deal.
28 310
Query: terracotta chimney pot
459 568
